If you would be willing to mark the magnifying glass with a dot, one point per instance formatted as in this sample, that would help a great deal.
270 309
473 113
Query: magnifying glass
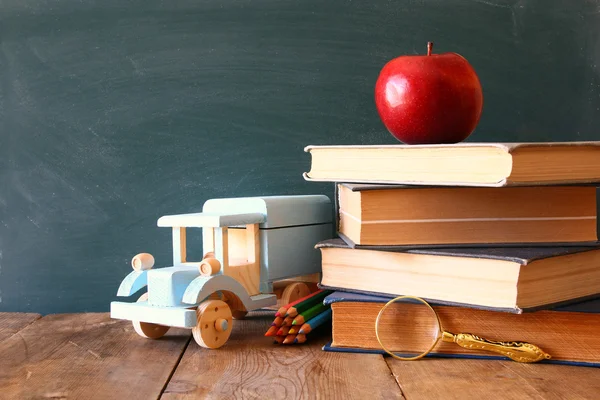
411 329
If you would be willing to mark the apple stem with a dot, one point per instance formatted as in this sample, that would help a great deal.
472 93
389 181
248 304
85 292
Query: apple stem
429 48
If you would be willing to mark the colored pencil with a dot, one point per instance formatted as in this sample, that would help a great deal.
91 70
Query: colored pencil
281 312
309 314
315 322
272 331
300 338
289 339
278 321
283 331
293 329
287 321
306 304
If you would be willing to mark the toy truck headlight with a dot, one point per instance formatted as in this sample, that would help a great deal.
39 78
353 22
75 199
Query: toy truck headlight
142 262
209 266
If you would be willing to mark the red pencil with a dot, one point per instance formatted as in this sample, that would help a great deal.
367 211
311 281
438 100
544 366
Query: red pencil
283 331
308 303
272 331
281 312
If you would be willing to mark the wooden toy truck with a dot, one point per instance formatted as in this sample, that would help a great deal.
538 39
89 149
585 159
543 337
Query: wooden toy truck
250 244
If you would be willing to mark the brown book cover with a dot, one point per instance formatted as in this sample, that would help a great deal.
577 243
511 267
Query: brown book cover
428 216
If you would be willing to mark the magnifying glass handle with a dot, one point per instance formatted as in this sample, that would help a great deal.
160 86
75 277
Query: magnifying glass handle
517 351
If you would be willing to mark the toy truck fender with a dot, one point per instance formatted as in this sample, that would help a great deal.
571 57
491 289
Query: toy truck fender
203 286
132 283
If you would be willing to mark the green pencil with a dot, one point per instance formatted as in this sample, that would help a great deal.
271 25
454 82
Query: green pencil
281 312
315 322
310 313
308 303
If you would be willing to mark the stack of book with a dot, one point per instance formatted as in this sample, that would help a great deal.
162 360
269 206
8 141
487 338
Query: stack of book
501 238
294 321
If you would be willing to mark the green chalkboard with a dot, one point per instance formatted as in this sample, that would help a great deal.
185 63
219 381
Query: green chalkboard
114 113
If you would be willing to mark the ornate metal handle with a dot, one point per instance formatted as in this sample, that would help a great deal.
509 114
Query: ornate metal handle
517 351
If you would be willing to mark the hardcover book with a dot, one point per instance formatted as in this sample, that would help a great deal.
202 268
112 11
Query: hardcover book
568 334
392 215
461 164
513 279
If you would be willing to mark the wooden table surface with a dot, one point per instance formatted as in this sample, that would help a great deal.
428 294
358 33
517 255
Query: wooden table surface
90 356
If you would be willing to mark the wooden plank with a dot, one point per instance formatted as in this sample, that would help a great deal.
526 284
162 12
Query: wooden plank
221 250
179 245
87 356
249 365
481 379
253 256
11 323
208 241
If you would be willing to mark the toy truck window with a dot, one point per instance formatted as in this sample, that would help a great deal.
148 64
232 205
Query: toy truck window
211 224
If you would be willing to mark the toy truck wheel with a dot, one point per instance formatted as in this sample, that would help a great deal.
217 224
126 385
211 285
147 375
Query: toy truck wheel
214 324
146 329
293 292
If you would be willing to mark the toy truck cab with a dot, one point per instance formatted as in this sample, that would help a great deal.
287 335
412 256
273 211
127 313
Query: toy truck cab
249 244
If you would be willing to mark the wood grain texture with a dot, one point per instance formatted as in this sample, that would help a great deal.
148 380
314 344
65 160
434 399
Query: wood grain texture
484 379
87 356
11 323
251 366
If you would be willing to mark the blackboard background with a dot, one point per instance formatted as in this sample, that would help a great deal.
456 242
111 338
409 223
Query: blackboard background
113 113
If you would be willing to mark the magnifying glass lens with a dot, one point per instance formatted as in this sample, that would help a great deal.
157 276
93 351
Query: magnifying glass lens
408 327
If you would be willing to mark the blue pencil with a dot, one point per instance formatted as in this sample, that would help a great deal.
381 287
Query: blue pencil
315 322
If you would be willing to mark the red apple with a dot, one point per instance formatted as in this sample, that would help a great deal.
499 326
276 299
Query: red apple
429 99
